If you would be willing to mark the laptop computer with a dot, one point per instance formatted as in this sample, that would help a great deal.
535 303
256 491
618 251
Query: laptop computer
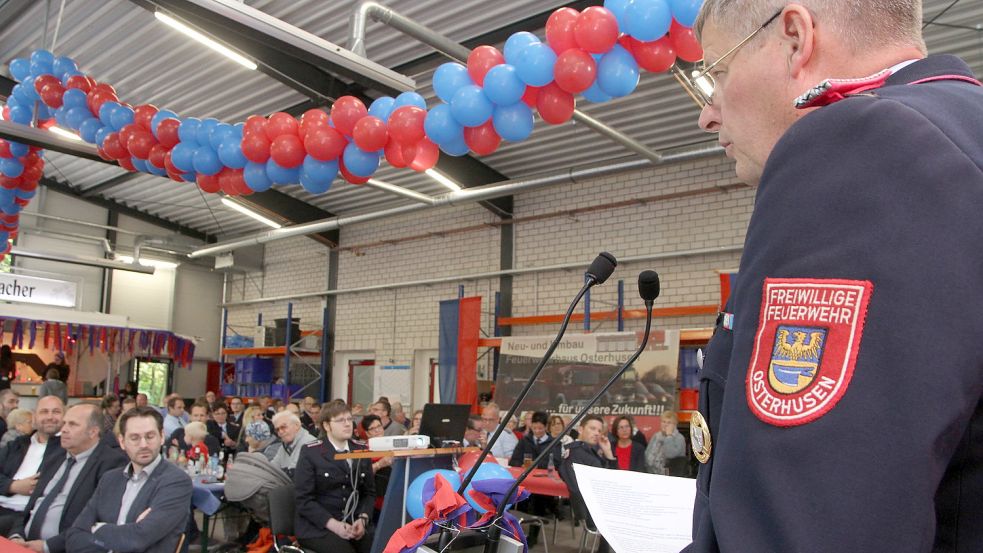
444 422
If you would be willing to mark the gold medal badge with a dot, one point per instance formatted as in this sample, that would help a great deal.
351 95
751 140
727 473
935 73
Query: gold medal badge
699 432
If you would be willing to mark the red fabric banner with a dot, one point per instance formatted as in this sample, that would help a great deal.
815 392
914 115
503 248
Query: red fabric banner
468 332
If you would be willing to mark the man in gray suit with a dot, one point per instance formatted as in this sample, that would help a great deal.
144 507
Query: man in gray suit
143 508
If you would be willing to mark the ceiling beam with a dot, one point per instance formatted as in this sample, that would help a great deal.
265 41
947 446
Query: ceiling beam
97 189
284 206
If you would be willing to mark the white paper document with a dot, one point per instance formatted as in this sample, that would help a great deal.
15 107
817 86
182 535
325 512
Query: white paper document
638 512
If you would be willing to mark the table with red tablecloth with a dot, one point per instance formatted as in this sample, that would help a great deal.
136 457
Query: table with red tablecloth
8 546
541 482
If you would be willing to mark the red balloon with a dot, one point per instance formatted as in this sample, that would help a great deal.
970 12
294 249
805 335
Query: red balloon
426 156
112 146
126 133
656 56
31 175
140 144
256 147
27 186
105 87
325 144
628 43
530 96
10 184
482 140
287 150
52 94
406 124
555 105
175 176
143 113
208 183
102 153
43 81
481 60
225 183
559 30
370 134
97 97
5 149
348 176
394 154
408 152
127 163
238 182
169 166
80 82
280 124
167 132
312 119
596 30
254 124
684 41
346 112
466 461
575 71
21 202
156 156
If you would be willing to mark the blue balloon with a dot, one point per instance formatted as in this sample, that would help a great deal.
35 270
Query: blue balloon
440 125
316 176
44 112
140 164
20 68
189 176
595 94
230 152
618 8
535 65
205 161
282 175
487 471
470 106
153 170
19 149
359 162
59 115
11 209
256 178
421 490
219 134
24 195
121 117
64 64
516 43
19 91
38 69
75 115
647 20
382 107
685 11
158 117
618 73
4 237
106 112
182 156
68 75
513 123
42 56
503 86
101 135
409 98
205 128
188 131
21 114
29 91
449 78
11 167
455 148
88 129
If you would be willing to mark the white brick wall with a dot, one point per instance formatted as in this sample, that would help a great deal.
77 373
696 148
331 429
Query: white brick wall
396 323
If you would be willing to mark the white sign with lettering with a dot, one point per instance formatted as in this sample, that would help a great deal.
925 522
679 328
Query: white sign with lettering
44 291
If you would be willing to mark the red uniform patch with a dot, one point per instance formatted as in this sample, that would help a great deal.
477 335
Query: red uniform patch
806 347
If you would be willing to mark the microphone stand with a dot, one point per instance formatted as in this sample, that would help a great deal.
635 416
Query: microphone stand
494 532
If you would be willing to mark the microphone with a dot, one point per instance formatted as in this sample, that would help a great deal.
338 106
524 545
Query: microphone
599 271
648 289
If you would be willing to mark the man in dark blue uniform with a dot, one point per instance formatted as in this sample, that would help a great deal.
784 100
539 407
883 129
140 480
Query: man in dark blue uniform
841 392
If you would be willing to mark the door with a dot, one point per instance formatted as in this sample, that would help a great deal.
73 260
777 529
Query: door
153 379
361 380
433 396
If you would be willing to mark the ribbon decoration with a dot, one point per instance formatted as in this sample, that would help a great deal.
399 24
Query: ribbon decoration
489 495
443 507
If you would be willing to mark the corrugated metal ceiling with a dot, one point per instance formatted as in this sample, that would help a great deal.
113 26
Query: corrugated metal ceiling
121 43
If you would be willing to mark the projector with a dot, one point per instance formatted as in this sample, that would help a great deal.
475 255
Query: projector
391 443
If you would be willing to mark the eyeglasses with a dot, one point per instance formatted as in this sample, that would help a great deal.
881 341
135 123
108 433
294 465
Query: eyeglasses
343 420
705 83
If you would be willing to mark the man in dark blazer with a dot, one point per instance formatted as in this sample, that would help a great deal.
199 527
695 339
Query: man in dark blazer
143 507
199 413
67 481
225 431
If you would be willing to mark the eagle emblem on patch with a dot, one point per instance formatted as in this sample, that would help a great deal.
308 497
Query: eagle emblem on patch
805 348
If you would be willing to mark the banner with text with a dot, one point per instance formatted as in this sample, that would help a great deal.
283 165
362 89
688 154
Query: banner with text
43 291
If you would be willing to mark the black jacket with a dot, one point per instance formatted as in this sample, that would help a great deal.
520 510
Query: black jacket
580 453
103 459
637 461
12 455
528 446
323 485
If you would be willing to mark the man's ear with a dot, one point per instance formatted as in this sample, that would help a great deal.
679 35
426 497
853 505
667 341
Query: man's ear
798 30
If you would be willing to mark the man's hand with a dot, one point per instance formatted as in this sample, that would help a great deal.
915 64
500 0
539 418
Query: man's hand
229 442
144 514
605 444
35 545
358 529
343 530
24 486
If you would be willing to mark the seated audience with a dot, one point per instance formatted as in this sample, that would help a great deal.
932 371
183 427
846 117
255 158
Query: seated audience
532 444
592 448
53 386
335 497
20 423
199 413
258 439
381 466
472 433
238 408
383 410
67 481
144 507
414 428
630 453
21 460
195 449
141 400
667 447
293 438
9 400
174 418
126 404
398 414
227 433
110 407
506 442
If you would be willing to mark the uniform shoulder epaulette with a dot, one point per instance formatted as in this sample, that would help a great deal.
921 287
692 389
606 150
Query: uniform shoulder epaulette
315 443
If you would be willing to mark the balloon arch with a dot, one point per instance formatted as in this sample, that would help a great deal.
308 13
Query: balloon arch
597 53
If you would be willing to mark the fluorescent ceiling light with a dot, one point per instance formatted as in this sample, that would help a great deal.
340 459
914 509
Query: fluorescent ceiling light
250 213
156 263
220 48
64 132
442 179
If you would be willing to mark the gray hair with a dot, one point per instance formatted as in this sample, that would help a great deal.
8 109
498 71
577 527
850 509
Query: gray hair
861 23
286 415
